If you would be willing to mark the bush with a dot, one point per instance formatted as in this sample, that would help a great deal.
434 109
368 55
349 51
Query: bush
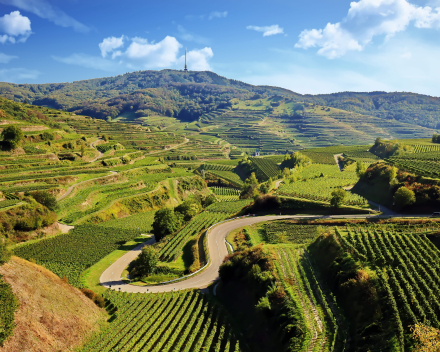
47 136
8 306
404 197
265 203
146 263
45 198
166 222
96 298
12 135
338 197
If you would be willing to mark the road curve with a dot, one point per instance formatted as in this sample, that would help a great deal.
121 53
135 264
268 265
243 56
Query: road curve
111 277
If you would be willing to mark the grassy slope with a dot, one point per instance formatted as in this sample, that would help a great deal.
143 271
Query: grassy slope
48 318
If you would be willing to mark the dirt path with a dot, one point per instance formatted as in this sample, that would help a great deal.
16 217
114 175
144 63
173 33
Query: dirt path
71 188
174 147
277 183
100 155
65 228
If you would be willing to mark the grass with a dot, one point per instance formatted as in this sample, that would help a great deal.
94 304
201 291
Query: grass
42 294
91 276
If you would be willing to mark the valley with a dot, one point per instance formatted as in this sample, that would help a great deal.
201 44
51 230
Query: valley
190 212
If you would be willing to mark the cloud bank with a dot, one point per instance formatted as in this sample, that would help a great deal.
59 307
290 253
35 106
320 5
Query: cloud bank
365 20
140 53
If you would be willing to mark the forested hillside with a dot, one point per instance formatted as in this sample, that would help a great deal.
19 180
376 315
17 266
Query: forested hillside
189 95
418 109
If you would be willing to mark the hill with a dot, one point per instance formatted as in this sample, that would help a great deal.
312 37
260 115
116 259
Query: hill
68 96
418 109
250 117
48 318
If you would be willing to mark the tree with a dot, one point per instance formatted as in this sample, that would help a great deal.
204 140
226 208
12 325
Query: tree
393 173
146 263
166 221
264 188
211 199
428 338
296 160
286 172
12 135
252 180
338 197
45 198
404 197
360 168
189 209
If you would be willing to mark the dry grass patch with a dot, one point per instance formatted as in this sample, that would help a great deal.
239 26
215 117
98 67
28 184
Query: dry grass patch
53 316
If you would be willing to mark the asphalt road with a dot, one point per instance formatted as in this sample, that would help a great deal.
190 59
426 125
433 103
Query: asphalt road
111 277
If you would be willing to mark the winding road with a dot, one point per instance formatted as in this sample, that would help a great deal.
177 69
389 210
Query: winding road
111 277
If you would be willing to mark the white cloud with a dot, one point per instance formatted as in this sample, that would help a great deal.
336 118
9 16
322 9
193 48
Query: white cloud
4 59
109 44
88 61
267 30
16 28
140 54
365 20
217 14
197 59
400 65
18 75
153 55
43 9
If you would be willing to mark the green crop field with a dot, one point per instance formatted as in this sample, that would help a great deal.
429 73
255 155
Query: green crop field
68 255
316 182
182 321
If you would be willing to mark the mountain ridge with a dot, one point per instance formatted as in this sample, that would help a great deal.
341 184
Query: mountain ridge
94 96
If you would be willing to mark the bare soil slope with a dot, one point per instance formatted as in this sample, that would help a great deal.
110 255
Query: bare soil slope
53 316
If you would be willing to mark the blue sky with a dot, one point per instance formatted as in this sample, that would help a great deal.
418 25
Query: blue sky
315 46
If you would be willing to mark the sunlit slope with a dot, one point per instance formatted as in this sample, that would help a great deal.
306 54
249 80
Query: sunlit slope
257 124
48 318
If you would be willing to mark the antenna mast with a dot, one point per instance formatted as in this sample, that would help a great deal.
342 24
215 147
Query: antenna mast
185 69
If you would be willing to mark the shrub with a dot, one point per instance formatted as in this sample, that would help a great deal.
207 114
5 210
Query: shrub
8 306
12 135
45 198
96 298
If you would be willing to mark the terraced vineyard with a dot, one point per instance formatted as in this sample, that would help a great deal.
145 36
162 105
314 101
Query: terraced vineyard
213 214
303 288
175 321
68 255
407 265
173 248
224 194
228 176
319 188
284 231
218 167
265 168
